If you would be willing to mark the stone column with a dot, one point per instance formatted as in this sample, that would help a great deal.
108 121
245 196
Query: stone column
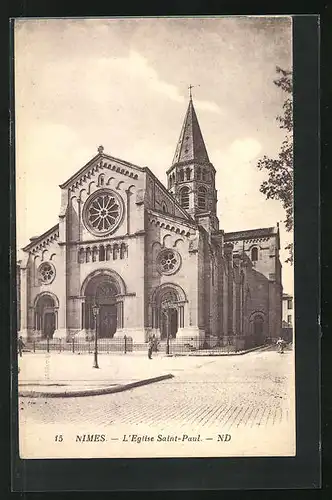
230 303
181 316
153 327
230 290
128 193
119 310
131 324
188 330
84 332
61 332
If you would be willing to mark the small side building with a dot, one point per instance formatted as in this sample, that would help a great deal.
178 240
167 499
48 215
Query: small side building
287 317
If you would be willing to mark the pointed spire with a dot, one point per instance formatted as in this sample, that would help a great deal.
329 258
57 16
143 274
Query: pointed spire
191 145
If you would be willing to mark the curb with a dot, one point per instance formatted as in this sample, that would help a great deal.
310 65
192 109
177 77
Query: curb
241 353
93 392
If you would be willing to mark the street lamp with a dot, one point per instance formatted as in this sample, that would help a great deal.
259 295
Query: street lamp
95 310
166 307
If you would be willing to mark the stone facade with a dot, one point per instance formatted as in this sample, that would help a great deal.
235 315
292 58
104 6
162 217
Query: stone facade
152 258
287 310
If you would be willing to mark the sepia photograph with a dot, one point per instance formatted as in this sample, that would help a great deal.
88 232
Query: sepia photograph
154 235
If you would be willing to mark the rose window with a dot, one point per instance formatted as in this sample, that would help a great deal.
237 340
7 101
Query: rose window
168 261
103 212
46 273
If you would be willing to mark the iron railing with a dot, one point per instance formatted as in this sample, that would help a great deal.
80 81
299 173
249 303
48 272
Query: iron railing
124 345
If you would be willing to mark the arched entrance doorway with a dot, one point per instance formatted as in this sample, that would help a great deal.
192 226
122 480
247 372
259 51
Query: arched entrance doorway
103 291
258 329
169 315
46 315
167 303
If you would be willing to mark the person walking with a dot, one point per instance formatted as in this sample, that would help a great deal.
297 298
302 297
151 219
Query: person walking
280 344
150 347
21 345
155 343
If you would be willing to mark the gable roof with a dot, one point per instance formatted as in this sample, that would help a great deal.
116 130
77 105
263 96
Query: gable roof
101 155
171 218
34 241
93 160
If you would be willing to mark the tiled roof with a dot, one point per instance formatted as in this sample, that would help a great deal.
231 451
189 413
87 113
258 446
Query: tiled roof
250 234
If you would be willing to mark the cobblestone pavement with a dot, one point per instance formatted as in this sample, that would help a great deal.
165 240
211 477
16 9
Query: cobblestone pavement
235 392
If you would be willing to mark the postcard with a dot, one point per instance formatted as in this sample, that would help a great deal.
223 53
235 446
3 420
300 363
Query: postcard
154 201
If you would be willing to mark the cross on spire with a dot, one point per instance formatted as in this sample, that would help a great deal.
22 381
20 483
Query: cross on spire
190 87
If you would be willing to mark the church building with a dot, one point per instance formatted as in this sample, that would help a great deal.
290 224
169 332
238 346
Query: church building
152 258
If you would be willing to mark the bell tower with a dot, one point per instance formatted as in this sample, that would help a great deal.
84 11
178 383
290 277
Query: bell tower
191 178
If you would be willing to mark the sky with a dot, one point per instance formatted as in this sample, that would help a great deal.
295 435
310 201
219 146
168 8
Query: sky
123 84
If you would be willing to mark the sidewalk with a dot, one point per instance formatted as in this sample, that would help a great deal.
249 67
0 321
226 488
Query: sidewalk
70 375
217 352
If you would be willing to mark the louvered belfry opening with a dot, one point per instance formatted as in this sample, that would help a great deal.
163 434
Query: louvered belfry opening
191 178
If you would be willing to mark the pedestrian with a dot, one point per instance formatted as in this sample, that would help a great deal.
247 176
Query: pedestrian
280 344
150 348
155 343
21 345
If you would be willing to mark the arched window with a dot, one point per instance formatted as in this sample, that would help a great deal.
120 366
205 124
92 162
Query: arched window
164 207
108 252
254 254
115 251
181 175
81 255
203 175
201 195
171 180
198 173
101 180
123 251
101 252
94 254
188 173
184 198
88 254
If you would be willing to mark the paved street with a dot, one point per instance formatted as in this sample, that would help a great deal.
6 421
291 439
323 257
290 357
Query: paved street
56 372
240 394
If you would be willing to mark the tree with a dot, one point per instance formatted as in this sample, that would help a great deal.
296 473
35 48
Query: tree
279 185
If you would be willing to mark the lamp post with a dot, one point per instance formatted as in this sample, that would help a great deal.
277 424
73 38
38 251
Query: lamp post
95 310
166 306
